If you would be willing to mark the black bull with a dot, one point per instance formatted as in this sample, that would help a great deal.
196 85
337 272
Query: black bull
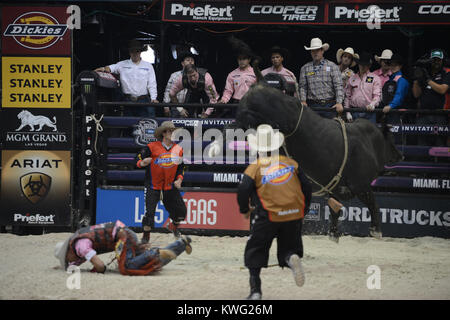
317 144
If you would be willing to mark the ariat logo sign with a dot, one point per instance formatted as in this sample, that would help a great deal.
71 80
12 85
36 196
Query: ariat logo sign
35 30
35 186
34 219
206 12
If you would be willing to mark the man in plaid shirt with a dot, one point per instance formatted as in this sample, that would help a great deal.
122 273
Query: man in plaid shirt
320 81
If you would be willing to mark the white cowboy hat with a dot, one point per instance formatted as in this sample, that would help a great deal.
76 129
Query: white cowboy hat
265 139
61 251
385 55
348 50
316 43
166 125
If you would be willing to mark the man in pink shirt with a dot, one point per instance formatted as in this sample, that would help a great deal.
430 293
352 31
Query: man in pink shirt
238 83
363 90
200 89
277 56
385 71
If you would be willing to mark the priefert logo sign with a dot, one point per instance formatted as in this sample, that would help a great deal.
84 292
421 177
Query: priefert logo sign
200 11
34 219
372 11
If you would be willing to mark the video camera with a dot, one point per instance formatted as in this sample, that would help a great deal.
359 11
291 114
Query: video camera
421 69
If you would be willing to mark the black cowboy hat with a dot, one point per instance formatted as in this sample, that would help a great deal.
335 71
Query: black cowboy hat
240 48
136 44
281 51
397 59
364 59
185 54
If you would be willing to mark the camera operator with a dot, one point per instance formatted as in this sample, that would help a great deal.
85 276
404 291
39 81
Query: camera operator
430 86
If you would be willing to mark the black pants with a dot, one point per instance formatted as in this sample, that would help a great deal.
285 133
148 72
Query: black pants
262 233
172 200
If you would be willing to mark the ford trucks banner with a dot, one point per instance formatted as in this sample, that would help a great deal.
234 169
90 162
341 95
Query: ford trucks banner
401 215
279 12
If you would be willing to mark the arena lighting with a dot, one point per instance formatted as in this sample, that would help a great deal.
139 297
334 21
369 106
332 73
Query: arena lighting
193 51
173 48
148 55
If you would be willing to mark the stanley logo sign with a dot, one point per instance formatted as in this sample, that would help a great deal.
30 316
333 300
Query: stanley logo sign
35 186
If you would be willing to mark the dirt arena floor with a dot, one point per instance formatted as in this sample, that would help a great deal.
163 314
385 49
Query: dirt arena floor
410 269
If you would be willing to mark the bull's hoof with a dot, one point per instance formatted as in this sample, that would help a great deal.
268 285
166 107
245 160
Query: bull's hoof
334 235
374 233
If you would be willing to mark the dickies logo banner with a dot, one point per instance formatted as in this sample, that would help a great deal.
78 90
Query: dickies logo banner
35 30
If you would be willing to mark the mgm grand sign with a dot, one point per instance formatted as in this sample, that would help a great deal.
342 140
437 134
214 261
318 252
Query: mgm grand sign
48 129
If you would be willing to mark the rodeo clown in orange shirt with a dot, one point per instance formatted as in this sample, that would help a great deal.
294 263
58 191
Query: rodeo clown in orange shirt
281 194
163 176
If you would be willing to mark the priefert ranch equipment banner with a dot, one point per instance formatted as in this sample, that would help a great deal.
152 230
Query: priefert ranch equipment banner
284 12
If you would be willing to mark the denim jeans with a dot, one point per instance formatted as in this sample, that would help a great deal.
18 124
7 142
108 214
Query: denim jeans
324 114
145 257
139 111
372 117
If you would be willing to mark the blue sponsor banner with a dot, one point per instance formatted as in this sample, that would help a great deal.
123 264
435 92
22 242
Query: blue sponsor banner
127 206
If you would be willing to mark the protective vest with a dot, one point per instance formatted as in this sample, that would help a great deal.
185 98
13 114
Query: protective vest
165 167
103 237
278 188
194 95
388 90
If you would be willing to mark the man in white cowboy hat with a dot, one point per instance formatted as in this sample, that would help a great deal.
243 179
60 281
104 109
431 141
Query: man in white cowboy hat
320 81
133 258
384 72
280 195
162 160
277 57
137 80
363 90
346 60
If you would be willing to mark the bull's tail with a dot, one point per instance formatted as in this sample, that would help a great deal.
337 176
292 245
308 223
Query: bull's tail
258 74
393 155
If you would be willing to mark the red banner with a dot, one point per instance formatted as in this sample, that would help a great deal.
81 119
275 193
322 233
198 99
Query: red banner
36 31
213 210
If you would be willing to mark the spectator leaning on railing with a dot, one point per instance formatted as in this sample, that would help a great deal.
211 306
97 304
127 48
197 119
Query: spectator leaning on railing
137 80
363 90
200 89
385 61
394 90
431 88
185 58
320 81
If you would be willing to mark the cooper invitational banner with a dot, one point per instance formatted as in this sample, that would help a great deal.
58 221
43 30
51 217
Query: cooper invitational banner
35 187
